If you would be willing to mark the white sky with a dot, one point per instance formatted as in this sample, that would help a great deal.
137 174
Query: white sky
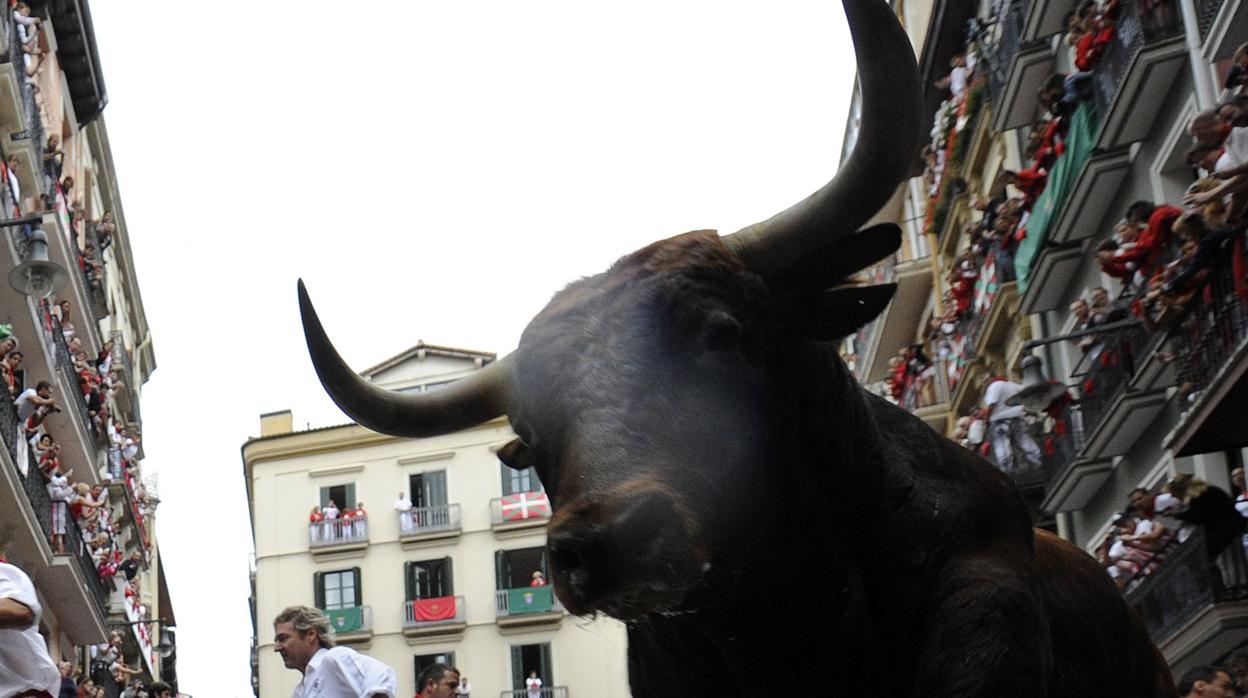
433 171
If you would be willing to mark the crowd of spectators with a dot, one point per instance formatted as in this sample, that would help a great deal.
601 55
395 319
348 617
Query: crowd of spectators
330 523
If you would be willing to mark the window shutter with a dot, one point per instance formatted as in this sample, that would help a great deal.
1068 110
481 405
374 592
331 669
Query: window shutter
349 497
409 581
435 488
318 586
517 668
506 473
359 594
324 497
545 566
500 572
547 676
448 578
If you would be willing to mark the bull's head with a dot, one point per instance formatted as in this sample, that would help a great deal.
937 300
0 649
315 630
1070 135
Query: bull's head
641 395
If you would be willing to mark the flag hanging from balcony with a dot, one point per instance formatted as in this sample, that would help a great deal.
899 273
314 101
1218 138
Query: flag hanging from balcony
346 620
440 608
529 600
525 505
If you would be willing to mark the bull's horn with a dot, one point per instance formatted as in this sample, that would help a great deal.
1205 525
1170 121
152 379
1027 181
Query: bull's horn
887 147
461 404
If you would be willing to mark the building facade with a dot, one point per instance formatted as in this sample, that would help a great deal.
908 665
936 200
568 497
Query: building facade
72 307
1013 225
442 567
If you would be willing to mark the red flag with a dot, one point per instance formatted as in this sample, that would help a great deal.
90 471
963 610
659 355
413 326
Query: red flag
441 608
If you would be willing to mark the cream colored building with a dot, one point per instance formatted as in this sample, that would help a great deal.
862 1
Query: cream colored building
476 534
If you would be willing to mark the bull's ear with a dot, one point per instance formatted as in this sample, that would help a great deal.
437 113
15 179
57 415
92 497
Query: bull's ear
515 455
839 312
847 256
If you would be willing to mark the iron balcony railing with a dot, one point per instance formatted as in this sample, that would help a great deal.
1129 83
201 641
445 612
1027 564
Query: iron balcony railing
420 613
323 534
999 54
1215 324
350 620
1134 29
1187 582
1206 13
521 506
65 364
420 520
544 692
1106 369
1060 446
516 602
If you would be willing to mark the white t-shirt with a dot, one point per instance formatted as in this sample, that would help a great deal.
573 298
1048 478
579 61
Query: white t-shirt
996 395
1236 150
342 672
330 512
534 685
24 661
25 404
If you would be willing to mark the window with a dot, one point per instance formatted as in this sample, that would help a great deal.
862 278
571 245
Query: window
526 659
517 481
514 568
428 489
421 661
337 589
428 579
343 495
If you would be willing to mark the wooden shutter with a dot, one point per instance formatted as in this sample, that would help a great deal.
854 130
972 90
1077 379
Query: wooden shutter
318 586
409 581
506 473
500 571
448 578
517 668
359 593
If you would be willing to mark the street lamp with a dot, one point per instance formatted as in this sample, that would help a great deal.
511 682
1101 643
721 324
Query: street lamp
38 276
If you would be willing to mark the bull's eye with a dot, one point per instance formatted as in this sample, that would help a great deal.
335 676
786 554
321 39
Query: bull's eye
721 332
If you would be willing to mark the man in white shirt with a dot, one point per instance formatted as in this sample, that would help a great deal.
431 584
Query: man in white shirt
25 666
1006 429
303 637
36 399
403 505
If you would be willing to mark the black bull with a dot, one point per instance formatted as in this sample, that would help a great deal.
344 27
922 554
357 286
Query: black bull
724 486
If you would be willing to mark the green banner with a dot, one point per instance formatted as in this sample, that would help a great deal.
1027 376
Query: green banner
529 600
346 620
1080 138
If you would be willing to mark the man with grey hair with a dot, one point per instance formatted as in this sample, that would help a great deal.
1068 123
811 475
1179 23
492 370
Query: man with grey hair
304 638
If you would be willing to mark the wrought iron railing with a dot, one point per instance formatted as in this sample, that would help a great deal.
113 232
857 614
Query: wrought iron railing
544 692
1187 581
420 520
1060 447
1111 362
65 364
1132 32
1215 324
999 55
426 612
323 534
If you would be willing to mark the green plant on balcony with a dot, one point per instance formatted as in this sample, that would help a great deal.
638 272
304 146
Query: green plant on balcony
958 147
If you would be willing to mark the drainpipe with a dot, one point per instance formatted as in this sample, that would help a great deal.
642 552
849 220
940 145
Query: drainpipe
1206 92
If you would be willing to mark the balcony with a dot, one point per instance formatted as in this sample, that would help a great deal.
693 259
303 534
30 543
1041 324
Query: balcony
1223 27
547 692
337 536
1017 69
68 582
1070 481
928 398
526 607
353 625
434 618
1046 18
422 524
519 513
1138 60
1023 461
1195 611
1115 414
1210 346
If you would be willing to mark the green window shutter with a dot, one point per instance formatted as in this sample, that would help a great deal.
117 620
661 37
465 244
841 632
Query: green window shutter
359 595
517 668
500 571
448 578
350 497
318 587
409 581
